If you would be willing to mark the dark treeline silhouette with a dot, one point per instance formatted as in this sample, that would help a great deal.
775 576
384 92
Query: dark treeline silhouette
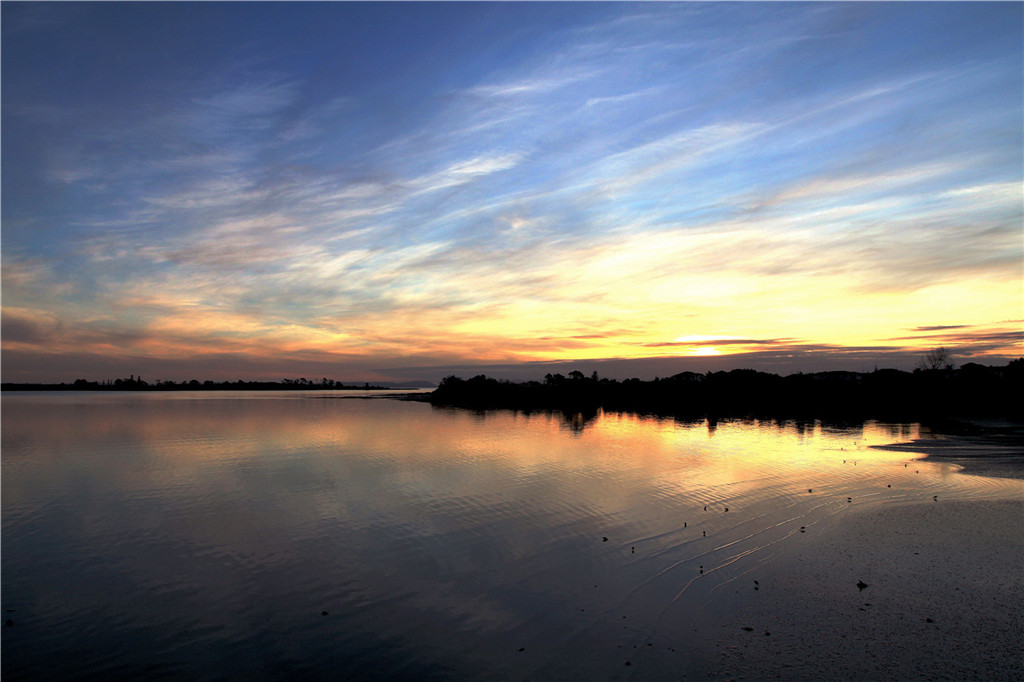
971 390
134 383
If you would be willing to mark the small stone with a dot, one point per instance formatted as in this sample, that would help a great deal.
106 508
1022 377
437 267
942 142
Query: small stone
522 648
323 613
861 584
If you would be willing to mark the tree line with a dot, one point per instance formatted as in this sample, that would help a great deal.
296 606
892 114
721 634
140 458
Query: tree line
133 383
944 391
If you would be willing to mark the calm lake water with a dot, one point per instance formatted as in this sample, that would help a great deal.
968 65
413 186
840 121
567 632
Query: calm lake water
204 535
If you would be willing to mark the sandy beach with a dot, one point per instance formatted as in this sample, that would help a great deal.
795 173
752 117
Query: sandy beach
921 591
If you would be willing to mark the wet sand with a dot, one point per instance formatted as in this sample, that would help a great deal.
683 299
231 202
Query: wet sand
999 455
944 595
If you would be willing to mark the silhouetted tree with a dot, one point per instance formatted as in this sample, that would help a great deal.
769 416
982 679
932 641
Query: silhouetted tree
937 358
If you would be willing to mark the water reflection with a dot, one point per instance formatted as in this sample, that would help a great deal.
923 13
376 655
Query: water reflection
205 537
573 421
576 421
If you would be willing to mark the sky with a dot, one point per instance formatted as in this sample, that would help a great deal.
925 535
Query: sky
398 191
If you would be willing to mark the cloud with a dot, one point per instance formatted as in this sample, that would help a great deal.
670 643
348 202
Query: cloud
29 327
681 150
979 340
939 327
532 85
462 172
623 98
844 188
247 107
223 192
704 340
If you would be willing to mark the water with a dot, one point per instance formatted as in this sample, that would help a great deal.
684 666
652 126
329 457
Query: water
204 535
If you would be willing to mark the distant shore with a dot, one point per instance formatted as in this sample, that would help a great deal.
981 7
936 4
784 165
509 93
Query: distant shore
133 384
970 391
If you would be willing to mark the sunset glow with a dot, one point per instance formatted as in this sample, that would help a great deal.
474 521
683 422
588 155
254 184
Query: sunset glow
398 191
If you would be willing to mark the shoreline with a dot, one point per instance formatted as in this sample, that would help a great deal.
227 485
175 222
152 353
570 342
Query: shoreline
997 453
944 599
942 595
